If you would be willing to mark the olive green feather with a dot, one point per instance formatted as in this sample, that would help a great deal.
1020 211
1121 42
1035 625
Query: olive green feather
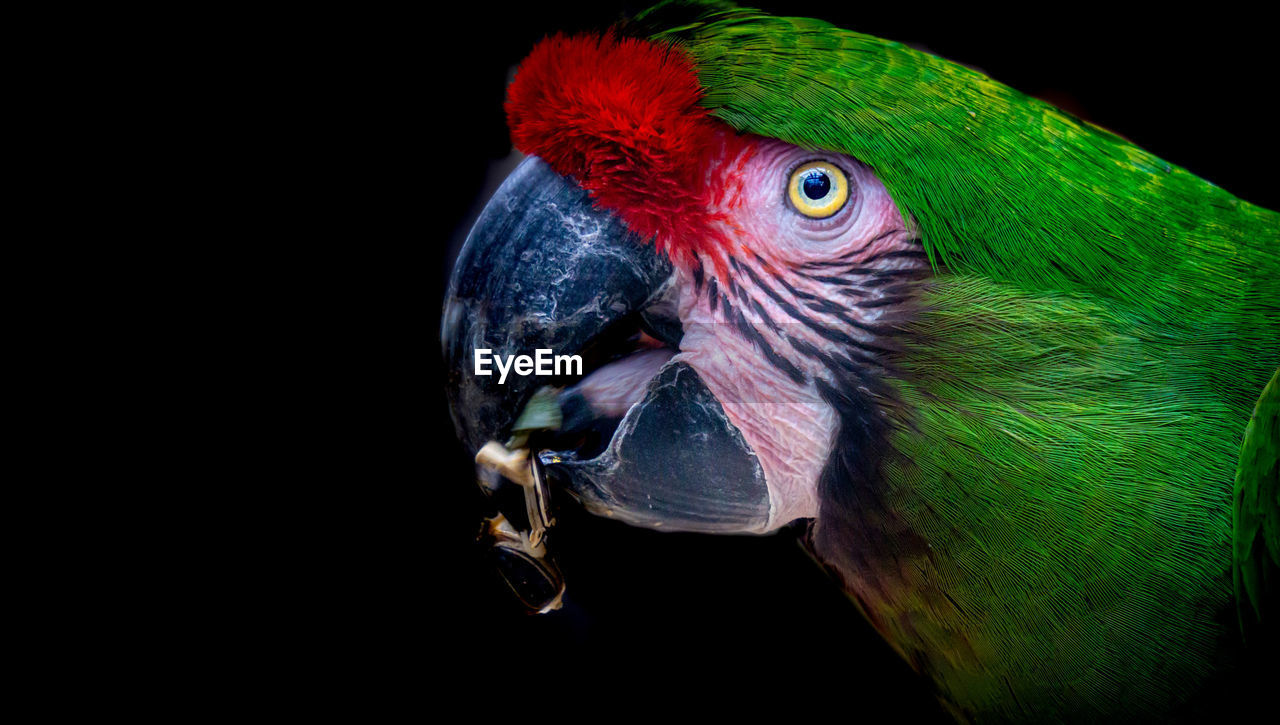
1071 392
1257 518
1003 183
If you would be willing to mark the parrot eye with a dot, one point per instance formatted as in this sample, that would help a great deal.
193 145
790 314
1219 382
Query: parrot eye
818 189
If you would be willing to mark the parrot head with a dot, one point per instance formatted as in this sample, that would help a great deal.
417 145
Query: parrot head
766 278
995 359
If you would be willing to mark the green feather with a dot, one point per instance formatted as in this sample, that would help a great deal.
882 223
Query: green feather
1257 517
1004 184
1072 475
1071 391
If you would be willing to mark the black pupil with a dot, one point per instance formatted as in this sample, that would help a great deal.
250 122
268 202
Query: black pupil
816 185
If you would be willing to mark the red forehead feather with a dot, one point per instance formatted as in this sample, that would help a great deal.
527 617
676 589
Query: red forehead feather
621 116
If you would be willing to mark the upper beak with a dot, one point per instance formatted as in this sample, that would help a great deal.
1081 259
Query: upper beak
544 269
541 269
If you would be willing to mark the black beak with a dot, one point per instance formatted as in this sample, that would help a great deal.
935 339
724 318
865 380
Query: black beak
541 269
544 269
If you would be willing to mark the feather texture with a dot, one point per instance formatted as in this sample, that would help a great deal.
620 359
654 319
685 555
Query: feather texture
1257 520
1037 510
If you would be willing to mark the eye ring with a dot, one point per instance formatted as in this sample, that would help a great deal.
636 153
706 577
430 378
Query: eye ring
818 189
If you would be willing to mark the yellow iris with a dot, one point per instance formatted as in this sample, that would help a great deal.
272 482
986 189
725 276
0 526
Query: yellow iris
818 189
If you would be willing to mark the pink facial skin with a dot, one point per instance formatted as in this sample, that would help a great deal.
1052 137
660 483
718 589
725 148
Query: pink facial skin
774 279
774 292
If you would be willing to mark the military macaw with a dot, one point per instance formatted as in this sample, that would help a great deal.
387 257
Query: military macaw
1015 377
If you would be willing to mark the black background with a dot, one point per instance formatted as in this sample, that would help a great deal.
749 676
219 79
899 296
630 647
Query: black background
748 621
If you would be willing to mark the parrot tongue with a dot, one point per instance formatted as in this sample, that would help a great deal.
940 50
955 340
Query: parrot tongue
614 388
594 406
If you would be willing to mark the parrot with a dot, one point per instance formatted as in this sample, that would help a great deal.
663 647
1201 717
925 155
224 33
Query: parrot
1012 377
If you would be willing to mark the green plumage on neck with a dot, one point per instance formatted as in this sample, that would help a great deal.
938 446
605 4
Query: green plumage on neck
1072 390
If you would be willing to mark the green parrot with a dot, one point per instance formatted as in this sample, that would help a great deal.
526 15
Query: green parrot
1014 377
